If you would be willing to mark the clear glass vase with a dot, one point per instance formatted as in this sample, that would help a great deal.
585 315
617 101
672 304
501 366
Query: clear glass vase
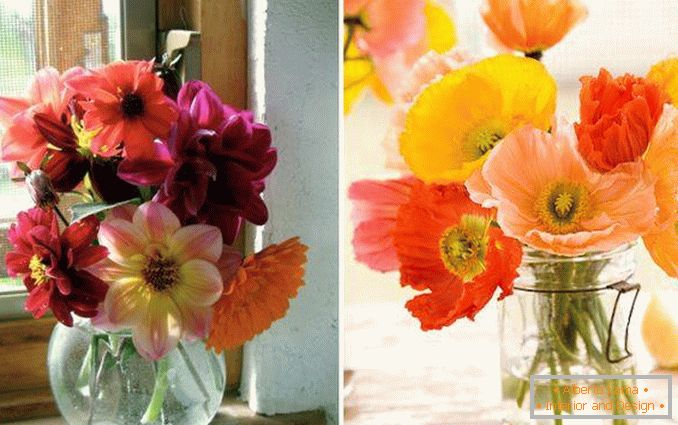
568 316
99 378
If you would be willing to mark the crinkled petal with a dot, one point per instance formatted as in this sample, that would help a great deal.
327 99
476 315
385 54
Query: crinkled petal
375 208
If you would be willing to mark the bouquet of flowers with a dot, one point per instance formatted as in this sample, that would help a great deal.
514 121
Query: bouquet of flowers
165 180
490 179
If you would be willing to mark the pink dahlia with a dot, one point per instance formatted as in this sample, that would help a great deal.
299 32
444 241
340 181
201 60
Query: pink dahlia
48 98
55 266
221 158
164 277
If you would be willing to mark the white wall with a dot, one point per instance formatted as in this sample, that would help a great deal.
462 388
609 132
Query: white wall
294 71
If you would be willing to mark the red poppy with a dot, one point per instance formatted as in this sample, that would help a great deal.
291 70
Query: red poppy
55 266
618 116
450 246
126 104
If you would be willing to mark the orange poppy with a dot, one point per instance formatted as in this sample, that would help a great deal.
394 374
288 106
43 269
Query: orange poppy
532 26
617 118
450 246
258 294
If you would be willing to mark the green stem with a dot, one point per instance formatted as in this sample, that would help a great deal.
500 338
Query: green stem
159 391
555 389
524 386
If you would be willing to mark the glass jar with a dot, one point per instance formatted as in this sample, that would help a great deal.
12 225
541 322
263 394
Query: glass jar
568 316
99 378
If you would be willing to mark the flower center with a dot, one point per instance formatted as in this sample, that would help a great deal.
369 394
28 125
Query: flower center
482 140
463 247
160 273
38 270
132 105
562 206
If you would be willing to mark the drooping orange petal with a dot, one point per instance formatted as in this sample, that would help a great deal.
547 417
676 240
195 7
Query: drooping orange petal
259 294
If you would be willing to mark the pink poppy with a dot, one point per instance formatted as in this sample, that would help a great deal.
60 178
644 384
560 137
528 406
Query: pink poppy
375 209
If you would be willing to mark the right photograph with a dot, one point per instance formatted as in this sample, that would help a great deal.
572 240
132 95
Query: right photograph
510 177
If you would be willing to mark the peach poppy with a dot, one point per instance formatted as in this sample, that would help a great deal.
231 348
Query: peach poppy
447 245
258 294
428 69
548 198
375 208
662 159
532 26
617 118
665 75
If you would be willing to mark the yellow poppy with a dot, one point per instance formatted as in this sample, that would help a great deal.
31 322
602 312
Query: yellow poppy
665 75
456 121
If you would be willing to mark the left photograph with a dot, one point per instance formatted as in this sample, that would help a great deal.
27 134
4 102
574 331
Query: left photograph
169 212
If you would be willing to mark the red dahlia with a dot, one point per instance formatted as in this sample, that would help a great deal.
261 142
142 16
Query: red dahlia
54 266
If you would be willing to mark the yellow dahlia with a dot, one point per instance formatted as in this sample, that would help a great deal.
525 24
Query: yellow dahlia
456 121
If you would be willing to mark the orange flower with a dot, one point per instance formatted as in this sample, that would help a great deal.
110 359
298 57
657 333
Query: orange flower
532 26
258 294
662 159
617 118
449 245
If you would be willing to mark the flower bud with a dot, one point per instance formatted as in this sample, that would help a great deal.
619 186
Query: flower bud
41 190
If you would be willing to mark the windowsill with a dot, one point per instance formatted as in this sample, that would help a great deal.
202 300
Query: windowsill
232 412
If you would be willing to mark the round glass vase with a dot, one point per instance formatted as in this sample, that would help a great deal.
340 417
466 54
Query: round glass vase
99 378
568 316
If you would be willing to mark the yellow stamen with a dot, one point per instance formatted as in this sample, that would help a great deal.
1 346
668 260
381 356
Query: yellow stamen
83 137
463 247
38 270
562 206
482 140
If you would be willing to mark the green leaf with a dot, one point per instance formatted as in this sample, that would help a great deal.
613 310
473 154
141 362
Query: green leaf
80 211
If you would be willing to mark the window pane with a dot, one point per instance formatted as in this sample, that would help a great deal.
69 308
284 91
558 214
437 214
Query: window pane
34 34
